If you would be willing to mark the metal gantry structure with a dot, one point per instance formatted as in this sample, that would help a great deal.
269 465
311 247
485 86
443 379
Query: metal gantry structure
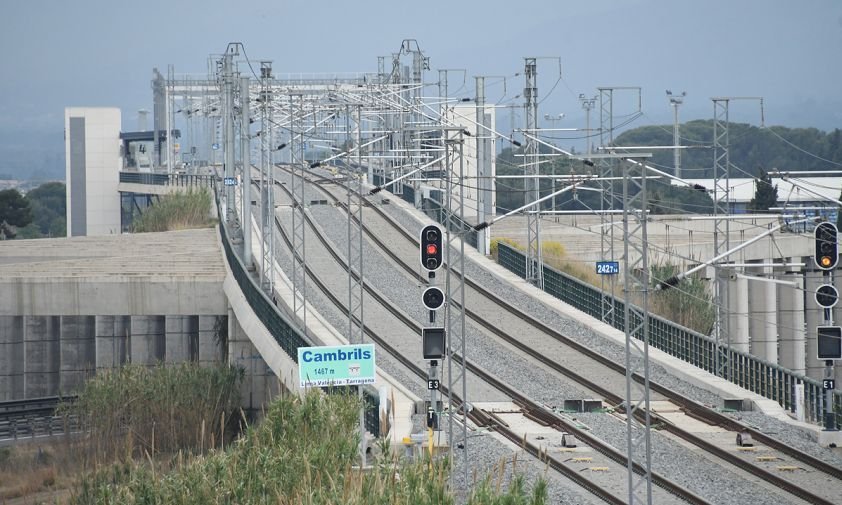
636 291
375 130
534 268
722 227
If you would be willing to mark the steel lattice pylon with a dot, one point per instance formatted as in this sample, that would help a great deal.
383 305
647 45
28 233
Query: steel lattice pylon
299 251
455 290
355 203
534 270
245 162
356 321
721 233
267 183
606 169
636 280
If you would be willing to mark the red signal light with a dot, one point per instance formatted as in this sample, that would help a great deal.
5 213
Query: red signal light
432 249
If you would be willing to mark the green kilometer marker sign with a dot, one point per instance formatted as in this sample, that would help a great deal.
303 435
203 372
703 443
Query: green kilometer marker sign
341 365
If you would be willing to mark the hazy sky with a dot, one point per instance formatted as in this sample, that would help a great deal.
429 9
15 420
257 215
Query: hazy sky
59 53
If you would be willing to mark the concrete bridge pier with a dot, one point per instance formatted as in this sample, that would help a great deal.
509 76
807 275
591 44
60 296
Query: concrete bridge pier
77 356
259 384
211 350
791 328
182 339
11 357
41 348
148 339
740 322
112 335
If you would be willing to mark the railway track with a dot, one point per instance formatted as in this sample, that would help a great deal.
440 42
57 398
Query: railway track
776 456
572 467
31 418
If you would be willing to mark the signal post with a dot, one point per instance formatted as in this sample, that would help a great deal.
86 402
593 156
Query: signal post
828 335
433 337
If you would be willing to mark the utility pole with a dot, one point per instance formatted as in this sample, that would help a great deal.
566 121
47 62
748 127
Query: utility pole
534 261
485 195
722 228
228 124
267 182
245 157
636 279
676 101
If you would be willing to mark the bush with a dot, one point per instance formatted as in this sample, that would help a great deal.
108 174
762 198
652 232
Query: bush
178 211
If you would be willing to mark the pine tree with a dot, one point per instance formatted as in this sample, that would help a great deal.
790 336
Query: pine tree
765 194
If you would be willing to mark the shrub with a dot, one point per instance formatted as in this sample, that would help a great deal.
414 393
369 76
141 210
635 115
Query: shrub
178 211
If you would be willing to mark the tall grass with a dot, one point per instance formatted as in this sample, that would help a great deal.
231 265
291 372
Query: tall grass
178 211
134 410
302 453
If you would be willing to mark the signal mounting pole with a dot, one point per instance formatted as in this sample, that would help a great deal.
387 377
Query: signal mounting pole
534 262
636 259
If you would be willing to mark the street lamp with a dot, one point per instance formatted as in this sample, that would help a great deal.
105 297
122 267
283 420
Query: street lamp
676 101
587 105
553 118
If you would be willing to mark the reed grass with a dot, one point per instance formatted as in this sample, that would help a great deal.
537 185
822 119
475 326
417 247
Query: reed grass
133 410
303 453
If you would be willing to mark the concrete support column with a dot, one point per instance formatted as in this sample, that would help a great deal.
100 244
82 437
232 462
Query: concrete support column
181 331
814 316
112 335
769 349
147 339
213 339
242 353
791 329
78 352
41 356
11 358
740 315
761 309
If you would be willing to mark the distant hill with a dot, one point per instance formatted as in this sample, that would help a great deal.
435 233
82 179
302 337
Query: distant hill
32 155
751 148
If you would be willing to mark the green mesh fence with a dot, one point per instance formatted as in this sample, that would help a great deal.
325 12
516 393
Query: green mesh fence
747 371
285 334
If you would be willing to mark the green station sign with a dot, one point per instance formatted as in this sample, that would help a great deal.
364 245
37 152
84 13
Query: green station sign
341 365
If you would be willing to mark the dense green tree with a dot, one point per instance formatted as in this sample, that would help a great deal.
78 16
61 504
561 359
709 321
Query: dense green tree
48 202
15 213
751 147
765 194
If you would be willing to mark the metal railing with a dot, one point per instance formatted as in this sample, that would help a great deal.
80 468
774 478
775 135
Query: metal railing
754 374
181 180
287 335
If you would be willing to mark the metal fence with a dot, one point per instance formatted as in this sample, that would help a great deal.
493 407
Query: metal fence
284 332
747 371
181 180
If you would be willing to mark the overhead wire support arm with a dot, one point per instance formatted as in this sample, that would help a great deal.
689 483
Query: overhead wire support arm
675 279
486 224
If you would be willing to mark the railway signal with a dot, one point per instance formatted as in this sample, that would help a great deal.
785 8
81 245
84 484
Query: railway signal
827 296
431 247
433 343
829 342
433 298
827 249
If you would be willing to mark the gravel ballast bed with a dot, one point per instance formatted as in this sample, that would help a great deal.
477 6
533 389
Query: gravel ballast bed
546 387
